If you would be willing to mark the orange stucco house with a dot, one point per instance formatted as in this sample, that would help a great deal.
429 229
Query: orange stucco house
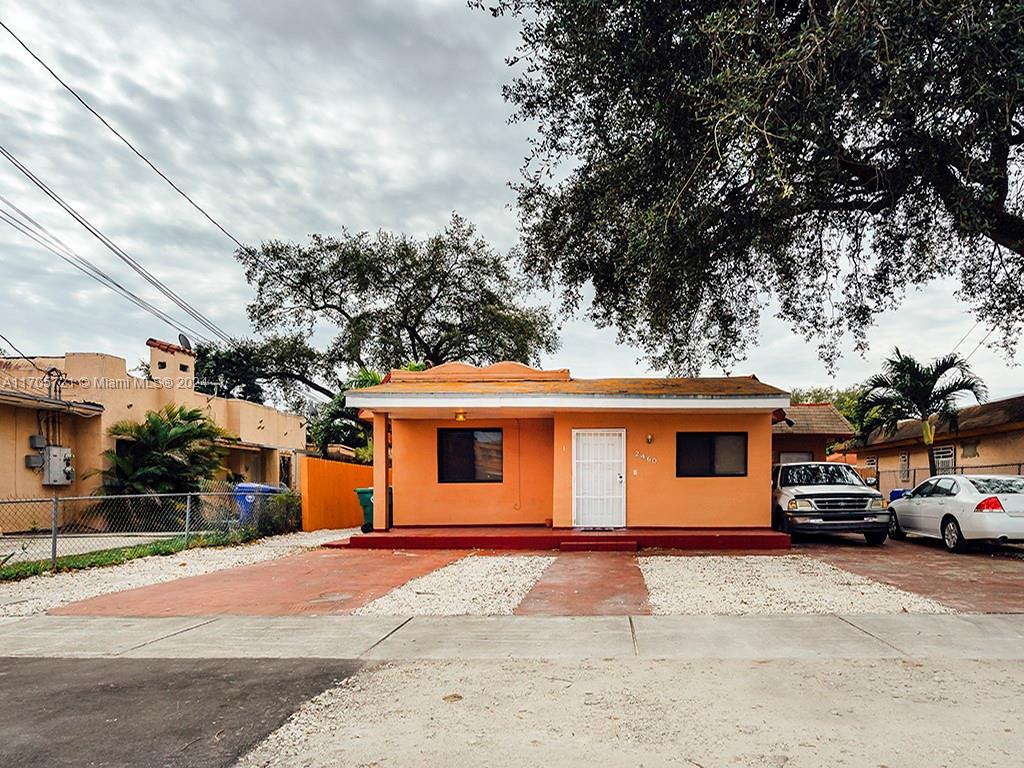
508 444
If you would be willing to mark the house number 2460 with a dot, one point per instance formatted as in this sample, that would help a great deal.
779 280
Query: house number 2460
645 457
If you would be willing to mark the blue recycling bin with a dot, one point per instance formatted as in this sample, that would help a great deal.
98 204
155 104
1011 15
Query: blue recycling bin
897 493
247 495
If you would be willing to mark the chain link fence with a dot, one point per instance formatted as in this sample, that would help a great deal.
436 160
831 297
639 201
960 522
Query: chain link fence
50 532
906 479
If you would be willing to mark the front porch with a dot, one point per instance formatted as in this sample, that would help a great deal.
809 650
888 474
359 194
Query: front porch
529 537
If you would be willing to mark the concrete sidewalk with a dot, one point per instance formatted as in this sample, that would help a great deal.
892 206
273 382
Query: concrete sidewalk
809 637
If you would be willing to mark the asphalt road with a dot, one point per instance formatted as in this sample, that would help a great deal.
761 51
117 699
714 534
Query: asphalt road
152 712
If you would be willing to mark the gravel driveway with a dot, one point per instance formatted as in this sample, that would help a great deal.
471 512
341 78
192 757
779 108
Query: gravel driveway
38 594
475 585
769 584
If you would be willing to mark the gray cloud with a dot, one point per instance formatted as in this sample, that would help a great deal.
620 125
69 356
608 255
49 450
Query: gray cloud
284 119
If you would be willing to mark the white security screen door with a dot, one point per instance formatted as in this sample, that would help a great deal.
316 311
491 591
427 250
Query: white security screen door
599 478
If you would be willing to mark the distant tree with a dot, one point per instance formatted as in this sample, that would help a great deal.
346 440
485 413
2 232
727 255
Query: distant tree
695 157
388 299
845 399
907 389
172 450
337 424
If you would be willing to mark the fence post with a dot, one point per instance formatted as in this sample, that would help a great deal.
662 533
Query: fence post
188 516
54 514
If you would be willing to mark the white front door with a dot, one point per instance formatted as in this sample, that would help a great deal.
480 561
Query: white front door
599 478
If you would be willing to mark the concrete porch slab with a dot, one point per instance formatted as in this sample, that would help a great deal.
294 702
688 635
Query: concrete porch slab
497 637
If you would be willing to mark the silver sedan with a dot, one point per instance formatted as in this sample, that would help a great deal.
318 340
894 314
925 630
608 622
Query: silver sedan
959 509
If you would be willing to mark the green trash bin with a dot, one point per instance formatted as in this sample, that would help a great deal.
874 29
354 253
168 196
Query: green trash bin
366 502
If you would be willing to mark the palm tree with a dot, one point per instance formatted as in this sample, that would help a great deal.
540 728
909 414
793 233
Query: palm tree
172 450
908 389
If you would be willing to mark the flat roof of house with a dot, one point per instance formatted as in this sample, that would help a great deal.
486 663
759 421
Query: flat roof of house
43 403
814 419
509 384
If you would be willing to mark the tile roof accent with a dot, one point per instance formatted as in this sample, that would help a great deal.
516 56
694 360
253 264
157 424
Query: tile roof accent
814 419
973 419
725 386
505 371
166 346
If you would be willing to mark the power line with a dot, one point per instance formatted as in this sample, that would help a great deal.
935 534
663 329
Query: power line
22 355
962 340
117 250
47 240
979 344
117 133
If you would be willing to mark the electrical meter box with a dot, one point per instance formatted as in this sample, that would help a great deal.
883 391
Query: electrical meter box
58 466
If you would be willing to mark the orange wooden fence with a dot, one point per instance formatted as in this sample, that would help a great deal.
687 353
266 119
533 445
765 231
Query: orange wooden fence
328 495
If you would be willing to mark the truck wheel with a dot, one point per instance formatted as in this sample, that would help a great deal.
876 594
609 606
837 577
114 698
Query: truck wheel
778 520
876 538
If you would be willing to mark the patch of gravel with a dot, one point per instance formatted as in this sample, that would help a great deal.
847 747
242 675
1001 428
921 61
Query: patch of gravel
38 594
769 584
632 712
475 585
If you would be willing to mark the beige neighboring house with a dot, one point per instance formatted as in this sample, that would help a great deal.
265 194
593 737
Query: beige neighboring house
990 439
53 408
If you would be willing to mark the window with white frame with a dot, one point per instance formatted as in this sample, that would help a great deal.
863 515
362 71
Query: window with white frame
904 467
871 462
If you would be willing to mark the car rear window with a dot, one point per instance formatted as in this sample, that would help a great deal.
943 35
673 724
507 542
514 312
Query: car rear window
998 484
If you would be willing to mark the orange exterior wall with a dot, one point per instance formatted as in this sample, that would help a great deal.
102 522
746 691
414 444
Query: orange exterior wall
655 497
813 444
328 492
537 473
523 496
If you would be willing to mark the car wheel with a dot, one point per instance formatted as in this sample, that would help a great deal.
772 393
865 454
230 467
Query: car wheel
876 538
952 536
895 530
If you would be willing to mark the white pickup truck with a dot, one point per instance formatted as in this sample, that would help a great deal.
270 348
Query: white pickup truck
827 497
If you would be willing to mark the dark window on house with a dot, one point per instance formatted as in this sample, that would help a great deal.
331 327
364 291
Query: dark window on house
711 454
182 367
161 364
469 455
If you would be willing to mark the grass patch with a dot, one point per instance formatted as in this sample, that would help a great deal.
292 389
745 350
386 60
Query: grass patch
118 555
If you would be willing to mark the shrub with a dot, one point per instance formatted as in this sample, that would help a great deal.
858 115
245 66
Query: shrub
281 513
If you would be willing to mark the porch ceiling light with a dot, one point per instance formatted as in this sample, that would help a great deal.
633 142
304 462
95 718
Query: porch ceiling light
460 415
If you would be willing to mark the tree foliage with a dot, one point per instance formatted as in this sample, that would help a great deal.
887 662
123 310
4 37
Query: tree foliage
908 389
845 399
694 159
172 450
389 299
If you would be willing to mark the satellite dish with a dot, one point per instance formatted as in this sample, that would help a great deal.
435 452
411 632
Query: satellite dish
184 342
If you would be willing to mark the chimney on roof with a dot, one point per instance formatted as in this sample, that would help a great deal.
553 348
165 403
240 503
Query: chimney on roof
171 365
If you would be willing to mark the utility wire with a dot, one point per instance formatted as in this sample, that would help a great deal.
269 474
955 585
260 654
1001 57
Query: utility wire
979 344
90 270
962 340
117 133
117 250
22 355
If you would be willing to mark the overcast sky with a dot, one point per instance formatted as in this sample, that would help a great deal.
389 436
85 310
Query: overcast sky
284 119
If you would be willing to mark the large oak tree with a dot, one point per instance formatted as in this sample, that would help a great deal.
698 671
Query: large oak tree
694 159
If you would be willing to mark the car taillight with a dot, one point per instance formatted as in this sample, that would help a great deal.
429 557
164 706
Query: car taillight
991 504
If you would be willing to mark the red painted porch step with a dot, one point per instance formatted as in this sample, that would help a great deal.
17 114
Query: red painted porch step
539 538
604 545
